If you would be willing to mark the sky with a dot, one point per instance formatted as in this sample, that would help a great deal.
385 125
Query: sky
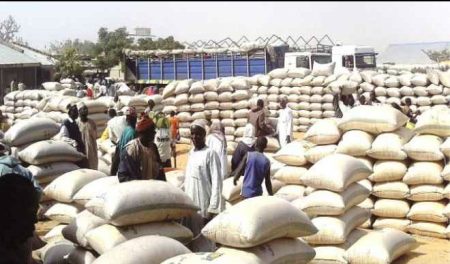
377 24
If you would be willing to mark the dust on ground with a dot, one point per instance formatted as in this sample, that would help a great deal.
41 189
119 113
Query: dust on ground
428 251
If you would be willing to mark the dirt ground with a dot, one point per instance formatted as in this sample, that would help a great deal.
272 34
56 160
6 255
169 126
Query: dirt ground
428 250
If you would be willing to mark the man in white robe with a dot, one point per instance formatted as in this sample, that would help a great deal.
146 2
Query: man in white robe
216 141
284 126
203 184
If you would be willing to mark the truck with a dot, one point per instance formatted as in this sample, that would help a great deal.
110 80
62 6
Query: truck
159 68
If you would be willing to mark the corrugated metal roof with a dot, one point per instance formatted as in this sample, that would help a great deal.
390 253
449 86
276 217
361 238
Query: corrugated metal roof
411 53
10 56
40 57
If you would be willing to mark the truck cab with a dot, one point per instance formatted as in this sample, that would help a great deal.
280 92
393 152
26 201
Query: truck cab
354 57
305 59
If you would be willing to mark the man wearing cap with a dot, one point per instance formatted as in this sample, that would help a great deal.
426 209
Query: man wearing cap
140 159
71 130
203 183
285 123
163 138
88 131
115 126
128 134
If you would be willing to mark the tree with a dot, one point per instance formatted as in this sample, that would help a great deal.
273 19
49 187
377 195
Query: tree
69 64
8 29
82 47
161 43
109 47
438 56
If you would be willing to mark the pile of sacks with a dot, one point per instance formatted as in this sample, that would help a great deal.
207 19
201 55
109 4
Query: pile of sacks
408 172
19 105
142 215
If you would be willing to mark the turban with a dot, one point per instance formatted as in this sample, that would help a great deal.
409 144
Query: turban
131 111
199 123
144 123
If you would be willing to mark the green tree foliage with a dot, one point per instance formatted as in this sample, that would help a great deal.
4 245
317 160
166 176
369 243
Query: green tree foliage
110 45
438 56
69 64
161 43
85 47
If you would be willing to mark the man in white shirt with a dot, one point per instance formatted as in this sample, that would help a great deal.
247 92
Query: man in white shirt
285 123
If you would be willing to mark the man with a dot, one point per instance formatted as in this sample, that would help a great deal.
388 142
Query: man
14 85
140 160
19 199
71 130
203 183
256 168
163 138
174 126
244 146
149 110
285 123
362 100
257 118
337 98
128 134
88 131
216 141
4 126
373 99
115 127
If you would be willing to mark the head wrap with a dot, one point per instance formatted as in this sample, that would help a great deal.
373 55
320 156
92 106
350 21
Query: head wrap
144 123
131 111
249 135
199 123
217 131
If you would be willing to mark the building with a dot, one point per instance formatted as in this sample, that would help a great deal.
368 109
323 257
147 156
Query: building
25 65
411 53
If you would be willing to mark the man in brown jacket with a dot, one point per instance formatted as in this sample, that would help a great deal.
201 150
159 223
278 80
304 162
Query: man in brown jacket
257 118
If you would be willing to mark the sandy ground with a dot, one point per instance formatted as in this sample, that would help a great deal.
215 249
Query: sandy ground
428 251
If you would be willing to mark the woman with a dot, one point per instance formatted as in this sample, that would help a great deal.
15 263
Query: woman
218 143
247 144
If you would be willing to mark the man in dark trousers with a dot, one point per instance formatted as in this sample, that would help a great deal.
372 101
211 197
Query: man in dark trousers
257 118
255 167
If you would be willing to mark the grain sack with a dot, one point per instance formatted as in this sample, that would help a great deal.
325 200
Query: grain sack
293 154
386 170
48 172
197 88
406 91
336 172
355 143
78 228
139 202
241 105
424 173
63 213
290 192
290 174
318 81
279 73
428 211
325 69
298 72
57 252
438 99
40 128
367 87
242 113
169 90
80 255
200 107
396 223
272 144
316 153
55 234
391 208
94 189
424 148
275 83
388 146
183 86
323 132
419 79
435 121
239 95
426 193
391 190
106 237
405 79
237 227
391 82
323 202
52 86
427 229
381 246
334 230
286 82
316 98
67 185
373 119
146 249
225 97
349 87
379 79
49 151
181 99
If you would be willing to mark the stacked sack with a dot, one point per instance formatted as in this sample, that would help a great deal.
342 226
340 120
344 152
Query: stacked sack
332 203
242 238
427 175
